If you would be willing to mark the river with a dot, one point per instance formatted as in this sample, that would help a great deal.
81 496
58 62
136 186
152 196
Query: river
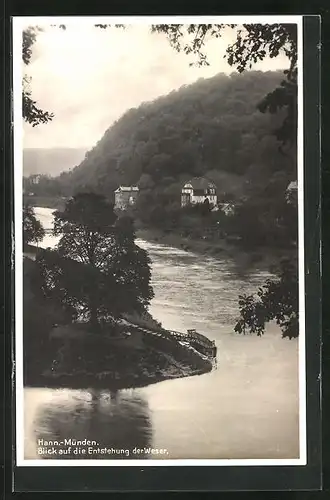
248 408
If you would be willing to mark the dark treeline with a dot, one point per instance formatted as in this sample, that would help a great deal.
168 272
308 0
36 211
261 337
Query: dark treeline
239 131
211 128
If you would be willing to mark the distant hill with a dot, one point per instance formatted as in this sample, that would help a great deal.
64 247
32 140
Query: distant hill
210 128
51 161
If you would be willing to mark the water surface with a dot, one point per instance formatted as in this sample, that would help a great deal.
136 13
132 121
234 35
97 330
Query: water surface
246 408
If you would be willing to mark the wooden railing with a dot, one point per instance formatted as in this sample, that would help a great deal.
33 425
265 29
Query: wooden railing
193 336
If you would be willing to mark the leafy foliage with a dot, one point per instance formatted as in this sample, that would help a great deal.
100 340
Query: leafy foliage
211 128
254 42
276 300
31 113
32 227
29 38
145 148
96 270
275 219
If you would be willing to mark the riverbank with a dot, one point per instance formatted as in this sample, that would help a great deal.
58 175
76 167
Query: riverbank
175 240
56 203
130 352
123 357
263 258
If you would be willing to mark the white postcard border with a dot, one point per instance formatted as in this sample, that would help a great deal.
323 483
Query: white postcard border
21 22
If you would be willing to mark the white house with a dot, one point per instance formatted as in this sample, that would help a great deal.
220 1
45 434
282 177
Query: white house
197 190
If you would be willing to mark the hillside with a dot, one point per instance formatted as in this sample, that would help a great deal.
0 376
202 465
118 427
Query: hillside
211 127
51 161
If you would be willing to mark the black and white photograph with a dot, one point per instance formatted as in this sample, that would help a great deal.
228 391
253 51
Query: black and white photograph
159 255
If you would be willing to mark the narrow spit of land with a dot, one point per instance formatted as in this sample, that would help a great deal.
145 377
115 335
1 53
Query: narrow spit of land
128 356
126 353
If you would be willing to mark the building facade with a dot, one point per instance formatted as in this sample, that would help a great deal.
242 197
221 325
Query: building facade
35 179
197 190
291 194
226 208
125 197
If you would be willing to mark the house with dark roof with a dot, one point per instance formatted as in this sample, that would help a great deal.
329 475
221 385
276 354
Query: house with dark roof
125 197
197 190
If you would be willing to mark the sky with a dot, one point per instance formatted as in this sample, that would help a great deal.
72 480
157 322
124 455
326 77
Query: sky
89 77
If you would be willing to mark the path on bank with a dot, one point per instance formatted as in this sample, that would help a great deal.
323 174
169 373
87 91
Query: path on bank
182 339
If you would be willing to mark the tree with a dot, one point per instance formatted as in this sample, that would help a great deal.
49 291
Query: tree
278 298
146 182
31 113
33 230
254 42
114 160
96 269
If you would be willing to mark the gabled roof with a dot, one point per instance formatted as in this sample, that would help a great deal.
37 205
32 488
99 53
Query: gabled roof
199 183
126 188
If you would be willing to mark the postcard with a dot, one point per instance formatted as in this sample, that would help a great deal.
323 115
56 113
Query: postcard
159 241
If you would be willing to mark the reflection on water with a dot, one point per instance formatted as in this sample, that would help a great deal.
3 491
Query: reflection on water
247 408
118 422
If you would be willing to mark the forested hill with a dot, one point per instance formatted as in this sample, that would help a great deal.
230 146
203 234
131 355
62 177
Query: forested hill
211 128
